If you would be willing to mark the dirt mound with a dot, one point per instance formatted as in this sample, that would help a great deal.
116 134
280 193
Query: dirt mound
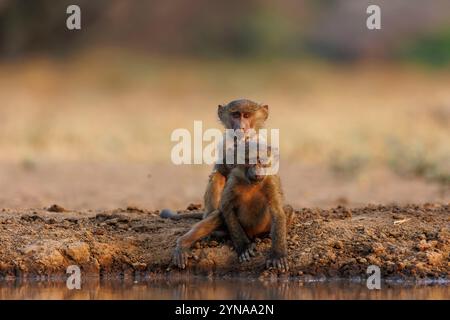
404 241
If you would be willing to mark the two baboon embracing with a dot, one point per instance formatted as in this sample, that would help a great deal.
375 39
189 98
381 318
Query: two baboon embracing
239 199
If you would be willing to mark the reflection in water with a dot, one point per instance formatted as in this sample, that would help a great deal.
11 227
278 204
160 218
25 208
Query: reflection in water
200 288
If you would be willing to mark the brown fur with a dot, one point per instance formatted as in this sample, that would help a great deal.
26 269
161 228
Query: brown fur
245 208
256 116
248 208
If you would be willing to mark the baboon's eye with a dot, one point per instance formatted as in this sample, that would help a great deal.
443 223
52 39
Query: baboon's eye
236 114
246 115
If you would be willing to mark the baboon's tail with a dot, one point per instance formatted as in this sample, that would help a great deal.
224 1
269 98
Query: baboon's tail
169 214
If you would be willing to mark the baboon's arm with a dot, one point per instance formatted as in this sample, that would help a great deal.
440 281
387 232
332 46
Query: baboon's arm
278 231
213 192
237 233
278 255
227 208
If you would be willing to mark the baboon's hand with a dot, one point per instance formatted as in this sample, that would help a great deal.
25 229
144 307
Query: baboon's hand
247 253
180 257
278 262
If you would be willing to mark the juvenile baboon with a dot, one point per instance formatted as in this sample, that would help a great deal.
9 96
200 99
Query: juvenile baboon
240 115
251 205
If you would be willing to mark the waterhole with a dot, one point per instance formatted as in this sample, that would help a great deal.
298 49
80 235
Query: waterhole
204 288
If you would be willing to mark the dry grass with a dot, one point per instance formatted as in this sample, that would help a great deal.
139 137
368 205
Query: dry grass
107 107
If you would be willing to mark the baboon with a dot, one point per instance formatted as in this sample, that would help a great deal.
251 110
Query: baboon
238 200
244 115
240 115
251 205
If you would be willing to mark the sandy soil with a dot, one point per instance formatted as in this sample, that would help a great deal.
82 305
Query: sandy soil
106 186
404 241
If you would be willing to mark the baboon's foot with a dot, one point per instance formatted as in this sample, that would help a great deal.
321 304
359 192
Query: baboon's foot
246 253
278 262
180 257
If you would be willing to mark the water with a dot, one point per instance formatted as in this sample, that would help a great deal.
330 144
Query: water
201 288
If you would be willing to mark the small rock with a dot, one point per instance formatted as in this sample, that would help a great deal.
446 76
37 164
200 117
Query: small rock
194 206
113 222
78 251
31 217
123 226
346 213
213 243
338 244
53 259
423 245
135 209
420 266
139 266
434 258
102 217
56 208
169 214
51 221
378 248
99 231
141 228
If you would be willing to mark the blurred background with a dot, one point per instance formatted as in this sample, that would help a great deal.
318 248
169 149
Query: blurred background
86 116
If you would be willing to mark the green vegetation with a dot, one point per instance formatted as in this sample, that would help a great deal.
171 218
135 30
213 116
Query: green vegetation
433 49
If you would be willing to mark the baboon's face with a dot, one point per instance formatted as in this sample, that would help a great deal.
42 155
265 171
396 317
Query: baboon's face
256 172
243 115
241 121
253 174
249 173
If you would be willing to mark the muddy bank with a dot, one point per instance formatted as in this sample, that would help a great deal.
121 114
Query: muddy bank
411 241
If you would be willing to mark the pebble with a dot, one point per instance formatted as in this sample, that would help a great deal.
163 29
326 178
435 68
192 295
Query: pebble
56 208
338 245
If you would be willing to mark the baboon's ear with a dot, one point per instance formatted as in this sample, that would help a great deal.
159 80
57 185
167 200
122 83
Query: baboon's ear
220 110
265 107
